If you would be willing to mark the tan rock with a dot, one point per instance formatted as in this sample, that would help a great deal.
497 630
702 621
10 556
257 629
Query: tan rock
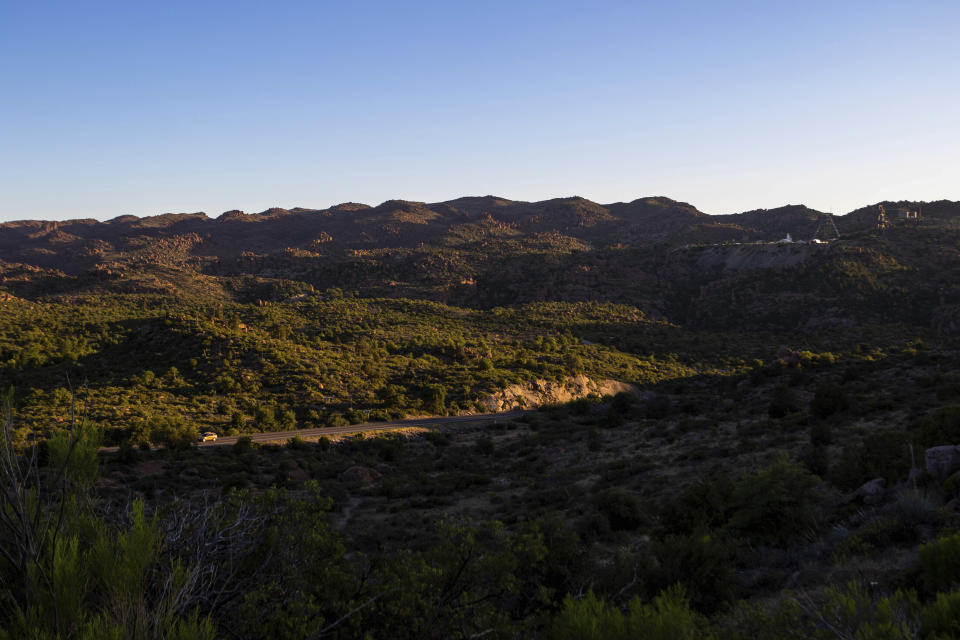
536 393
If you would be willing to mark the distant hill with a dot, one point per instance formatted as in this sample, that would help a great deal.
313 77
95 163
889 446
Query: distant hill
665 256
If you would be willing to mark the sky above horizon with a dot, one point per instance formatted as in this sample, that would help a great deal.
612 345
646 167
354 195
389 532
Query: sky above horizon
114 108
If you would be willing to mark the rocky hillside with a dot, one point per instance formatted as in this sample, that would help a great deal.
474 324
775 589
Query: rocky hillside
664 256
73 246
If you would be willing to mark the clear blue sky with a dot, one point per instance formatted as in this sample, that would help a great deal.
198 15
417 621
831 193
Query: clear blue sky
109 108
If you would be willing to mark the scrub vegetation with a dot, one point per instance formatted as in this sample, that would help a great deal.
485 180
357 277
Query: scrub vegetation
772 466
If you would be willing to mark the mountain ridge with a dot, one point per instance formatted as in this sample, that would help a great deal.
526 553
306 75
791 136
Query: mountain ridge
489 200
662 255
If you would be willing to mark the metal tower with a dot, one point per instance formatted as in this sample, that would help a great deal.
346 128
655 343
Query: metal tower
826 228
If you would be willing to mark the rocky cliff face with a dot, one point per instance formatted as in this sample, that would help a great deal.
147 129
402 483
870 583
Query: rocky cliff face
538 393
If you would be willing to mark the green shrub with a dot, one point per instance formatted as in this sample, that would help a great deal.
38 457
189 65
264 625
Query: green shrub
821 434
287 420
782 403
668 617
777 504
940 563
485 446
611 419
702 563
828 400
883 453
174 432
337 420
622 402
296 443
265 418
579 407
941 618
621 508
941 427
433 397
437 438
355 416
238 481
659 407
243 445
817 460
127 454
851 611
704 505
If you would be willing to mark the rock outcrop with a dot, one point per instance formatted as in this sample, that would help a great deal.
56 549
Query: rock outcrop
360 475
871 492
942 461
537 393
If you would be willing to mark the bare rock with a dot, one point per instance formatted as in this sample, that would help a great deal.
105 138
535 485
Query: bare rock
871 492
942 461
360 475
544 392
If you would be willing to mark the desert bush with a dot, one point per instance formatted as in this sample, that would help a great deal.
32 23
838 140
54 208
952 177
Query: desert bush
433 397
287 420
821 434
940 563
437 438
667 617
296 443
702 563
941 427
941 618
579 407
244 444
622 402
174 432
704 505
852 611
265 418
621 508
782 403
817 460
659 407
127 454
883 453
485 446
828 400
777 504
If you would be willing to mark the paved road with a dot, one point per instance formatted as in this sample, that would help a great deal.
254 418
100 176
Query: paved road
395 425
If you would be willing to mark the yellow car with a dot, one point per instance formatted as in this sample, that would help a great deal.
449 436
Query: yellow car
208 436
